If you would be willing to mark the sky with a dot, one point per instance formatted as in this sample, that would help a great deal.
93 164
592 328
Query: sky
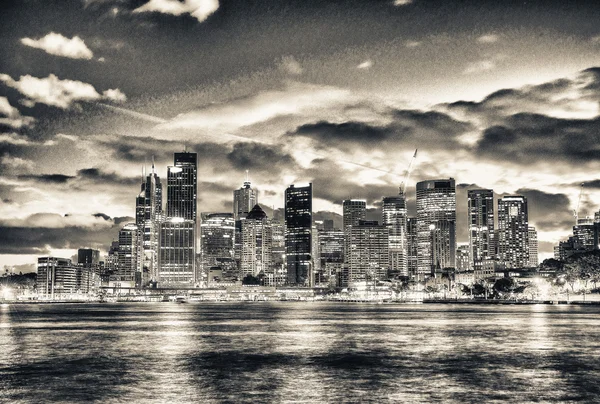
500 95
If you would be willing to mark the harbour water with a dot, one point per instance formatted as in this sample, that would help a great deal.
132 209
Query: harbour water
298 352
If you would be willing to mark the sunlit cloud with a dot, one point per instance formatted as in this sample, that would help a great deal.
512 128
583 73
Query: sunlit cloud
59 45
366 65
199 9
489 38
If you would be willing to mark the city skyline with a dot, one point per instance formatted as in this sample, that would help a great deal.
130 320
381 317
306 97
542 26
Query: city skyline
94 89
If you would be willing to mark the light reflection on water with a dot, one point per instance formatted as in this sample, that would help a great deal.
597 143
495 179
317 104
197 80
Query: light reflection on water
298 352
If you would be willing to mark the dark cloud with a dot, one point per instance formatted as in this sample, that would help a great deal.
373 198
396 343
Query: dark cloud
48 178
102 215
98 176
409 128
548 211
529 138
256 156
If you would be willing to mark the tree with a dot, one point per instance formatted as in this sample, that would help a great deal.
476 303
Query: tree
250 280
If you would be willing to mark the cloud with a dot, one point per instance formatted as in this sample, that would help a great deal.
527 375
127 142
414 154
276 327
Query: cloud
16 162
47 178
58 45
489 38
56 221
366 65
14 139
12 116
480 67
295 99
260 157
412 44
99 176
595 39
56 92
549 212
399 3
291 66
199 9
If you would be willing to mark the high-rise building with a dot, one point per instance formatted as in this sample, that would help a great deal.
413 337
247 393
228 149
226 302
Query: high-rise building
298 240
88 257
216 243
368 255
394 218
244 199
462 258
436 209
257 240
148 213
513 231
279 273
354 210
331 249
128 272
481 225
182 182
533 247
177 252
412 247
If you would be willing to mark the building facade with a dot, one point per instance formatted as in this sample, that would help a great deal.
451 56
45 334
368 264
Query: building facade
394 218
481 225
177 252
513 231
298 237
182 183
436 209
217 232
148 213
368 254
257 241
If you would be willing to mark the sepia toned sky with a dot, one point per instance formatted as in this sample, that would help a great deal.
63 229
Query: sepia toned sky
501 95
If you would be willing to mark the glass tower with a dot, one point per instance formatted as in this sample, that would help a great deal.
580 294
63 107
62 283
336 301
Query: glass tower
298 238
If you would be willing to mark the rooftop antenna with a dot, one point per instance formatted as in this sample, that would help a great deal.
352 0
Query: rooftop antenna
153 164
576 211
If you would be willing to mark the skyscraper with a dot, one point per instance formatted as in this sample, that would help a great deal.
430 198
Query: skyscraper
182 185
533 247
148 213
412 246
298 240
513 231
481 225
128 270
394 218
436 222
257 240
177 252
216 242
354 210
244 199
368 255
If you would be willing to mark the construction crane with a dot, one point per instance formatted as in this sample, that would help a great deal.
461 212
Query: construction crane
403 184
576 210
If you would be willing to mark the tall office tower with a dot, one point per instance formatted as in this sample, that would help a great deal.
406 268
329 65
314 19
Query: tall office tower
216 243
353 211
111 262
128 270
315 253
513 228
331 249
481 225
436 206
148 212
182 185
257 240
394 218
533 246
443 245
279 274
177 252
244 199
412 247
368 256
298 240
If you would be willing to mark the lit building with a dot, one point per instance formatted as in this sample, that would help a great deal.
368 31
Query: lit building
481 225
148 211
216 243
58 278
513 231
298 240
412 247
257 240
279 273
394 218
128 269
331 249
177 252
88 257
436 206
462 258
244 199
353 211
182 182
368 253
533 246
585 235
